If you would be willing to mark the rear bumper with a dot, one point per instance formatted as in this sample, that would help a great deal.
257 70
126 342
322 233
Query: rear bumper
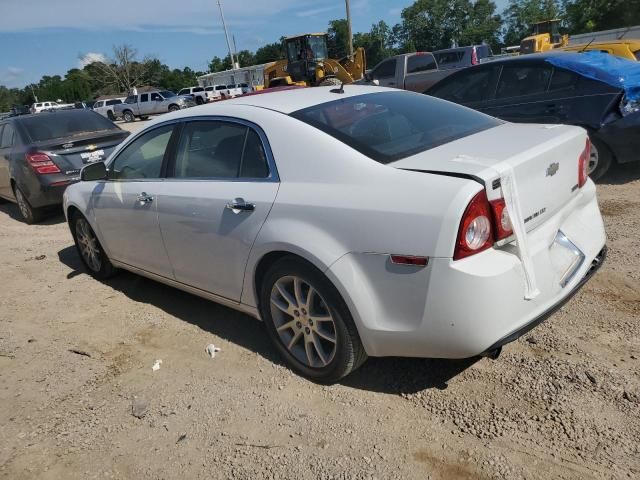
48 192
460 309
623 137
596 263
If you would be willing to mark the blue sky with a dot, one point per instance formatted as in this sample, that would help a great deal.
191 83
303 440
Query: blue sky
48 37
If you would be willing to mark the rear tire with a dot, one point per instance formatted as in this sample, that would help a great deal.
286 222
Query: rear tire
601 158
29 214
199 101
309 322
128 116
91 252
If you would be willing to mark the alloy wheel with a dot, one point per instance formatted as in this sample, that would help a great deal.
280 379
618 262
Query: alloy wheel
303 321
88 245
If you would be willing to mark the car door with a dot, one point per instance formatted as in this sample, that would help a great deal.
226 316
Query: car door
521 94
126 204
473 87
385 73
221 188
156 103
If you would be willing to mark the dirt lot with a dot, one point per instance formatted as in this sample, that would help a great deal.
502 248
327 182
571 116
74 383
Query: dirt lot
76 356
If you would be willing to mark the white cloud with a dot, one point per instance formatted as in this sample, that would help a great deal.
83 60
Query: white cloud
193 16
91 57
11 74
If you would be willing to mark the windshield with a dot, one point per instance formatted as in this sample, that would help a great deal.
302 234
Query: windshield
167 94
65 123
389 126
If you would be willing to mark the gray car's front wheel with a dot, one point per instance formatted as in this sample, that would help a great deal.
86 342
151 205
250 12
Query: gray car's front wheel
91 253
309 322
128 116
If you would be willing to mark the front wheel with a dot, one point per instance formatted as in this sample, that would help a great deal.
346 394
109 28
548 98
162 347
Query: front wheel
91 253
309 322
173 108
30 214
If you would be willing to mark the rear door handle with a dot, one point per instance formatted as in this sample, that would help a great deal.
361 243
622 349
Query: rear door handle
145 198
239 205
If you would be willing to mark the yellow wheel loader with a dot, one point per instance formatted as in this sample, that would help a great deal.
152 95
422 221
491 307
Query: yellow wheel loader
307 64
546 36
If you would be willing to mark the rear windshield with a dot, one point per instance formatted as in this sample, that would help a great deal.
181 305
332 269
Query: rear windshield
64 124
388 126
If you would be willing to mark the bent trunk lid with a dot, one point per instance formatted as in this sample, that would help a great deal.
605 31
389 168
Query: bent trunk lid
544 160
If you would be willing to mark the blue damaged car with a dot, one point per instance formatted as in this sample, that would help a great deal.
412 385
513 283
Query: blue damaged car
594 90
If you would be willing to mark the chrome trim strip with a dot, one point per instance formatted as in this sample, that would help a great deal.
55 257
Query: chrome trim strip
562 240
241 307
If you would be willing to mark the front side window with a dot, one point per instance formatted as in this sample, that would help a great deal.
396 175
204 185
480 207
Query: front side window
216 149
198 89
520 80
385 70
143 157
97 104
420 63
131 99
184 91
388 126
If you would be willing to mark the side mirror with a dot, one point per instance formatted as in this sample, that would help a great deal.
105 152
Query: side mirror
93 171
376 82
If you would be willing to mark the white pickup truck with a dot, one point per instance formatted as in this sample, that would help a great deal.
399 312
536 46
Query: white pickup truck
199 94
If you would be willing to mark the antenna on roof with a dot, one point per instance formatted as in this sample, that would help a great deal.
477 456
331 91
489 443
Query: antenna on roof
338 90
587 45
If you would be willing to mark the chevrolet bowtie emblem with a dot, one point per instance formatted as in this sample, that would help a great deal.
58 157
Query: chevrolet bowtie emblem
93 147
553 169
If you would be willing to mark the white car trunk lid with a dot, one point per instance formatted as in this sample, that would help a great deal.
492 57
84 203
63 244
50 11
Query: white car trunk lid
544 159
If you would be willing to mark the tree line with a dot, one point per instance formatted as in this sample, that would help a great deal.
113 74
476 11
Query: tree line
424 25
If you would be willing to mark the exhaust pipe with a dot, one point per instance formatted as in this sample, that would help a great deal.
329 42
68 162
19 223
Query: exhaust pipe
492 354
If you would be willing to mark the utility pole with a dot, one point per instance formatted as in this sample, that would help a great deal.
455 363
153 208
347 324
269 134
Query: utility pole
349 27
226 34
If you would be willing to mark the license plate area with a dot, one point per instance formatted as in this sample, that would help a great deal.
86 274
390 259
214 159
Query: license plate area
92 157
566 258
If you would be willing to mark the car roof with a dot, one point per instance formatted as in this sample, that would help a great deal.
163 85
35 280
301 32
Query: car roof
296 99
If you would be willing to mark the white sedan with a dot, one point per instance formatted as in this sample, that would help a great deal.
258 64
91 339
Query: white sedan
354 221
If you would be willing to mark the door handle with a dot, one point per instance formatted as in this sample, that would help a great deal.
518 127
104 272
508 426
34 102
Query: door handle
145 198
239 205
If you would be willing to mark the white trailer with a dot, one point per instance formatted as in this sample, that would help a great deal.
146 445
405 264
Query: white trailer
252 76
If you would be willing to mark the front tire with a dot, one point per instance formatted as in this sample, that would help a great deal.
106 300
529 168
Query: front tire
29 214
173 108
600 160
91 252
309 322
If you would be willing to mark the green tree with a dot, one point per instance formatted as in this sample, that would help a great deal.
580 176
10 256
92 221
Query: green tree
592 15
482 25
338 39
270 52
377 43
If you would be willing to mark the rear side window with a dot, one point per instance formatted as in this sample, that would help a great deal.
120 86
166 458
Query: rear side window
471 85
143 157
65 123
388 126
208 89
144 97
520 80
420 63
198 89
220 87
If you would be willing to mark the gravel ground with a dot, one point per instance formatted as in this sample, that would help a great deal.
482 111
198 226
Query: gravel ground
80 399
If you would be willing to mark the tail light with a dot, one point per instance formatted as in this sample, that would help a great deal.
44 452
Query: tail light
475 233
583 164
41 163
474 56
502 221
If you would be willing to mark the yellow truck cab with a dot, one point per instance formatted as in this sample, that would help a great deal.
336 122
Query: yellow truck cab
629 49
